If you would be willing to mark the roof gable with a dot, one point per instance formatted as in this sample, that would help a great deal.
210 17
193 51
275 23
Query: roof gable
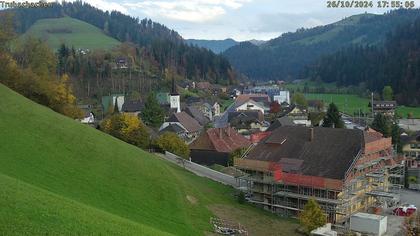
221 140
190 124
328 154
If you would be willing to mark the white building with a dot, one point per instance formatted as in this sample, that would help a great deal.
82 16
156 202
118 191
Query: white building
250 105
283 96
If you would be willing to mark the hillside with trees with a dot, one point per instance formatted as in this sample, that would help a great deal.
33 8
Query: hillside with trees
395 64
286 56
151 51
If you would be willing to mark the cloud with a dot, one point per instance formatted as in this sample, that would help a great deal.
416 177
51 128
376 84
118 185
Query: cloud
286 22
196 11
108 5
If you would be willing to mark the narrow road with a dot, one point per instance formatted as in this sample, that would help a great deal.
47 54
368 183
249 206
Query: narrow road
201 170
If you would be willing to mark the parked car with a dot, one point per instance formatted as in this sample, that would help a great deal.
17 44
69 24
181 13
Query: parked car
405 210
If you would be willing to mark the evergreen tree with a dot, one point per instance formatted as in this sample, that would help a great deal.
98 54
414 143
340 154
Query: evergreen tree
382 124
396 134
387 93
152 113
333 117
312 216
116 110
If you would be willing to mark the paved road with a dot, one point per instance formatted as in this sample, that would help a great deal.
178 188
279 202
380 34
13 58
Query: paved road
201 170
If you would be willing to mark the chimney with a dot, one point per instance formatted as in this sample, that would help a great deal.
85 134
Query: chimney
220 133
311 134
228 131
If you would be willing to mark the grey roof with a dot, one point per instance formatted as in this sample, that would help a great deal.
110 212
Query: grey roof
197 115
186 120
282 121
329 154
173 128
251 115
132 106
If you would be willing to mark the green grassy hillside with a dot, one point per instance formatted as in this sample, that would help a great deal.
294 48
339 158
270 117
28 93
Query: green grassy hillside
60 177
72 32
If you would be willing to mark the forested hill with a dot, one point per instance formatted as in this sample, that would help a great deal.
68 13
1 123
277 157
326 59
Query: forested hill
165 47
396 63
285 57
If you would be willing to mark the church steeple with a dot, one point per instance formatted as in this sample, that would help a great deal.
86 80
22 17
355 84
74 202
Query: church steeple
173 90
175 98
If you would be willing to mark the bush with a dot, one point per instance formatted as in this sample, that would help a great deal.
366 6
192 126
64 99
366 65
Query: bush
312 216
127 128
172 143
241 197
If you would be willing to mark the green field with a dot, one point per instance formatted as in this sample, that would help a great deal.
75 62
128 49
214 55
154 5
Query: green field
345 102
59 177
72 32
403 111
350 103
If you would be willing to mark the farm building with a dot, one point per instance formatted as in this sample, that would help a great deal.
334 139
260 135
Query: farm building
384 107
215 145
346 171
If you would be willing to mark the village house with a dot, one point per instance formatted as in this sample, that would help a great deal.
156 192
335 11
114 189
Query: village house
299 115
283 97
247 122
177 129
215 145
121 63
197 115
279 122
89 116
411 150
250 105
344 170
216 109
263 99
132 107
203 86
182 119
315 105
385 107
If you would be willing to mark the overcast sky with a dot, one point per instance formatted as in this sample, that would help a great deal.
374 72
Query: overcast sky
237 19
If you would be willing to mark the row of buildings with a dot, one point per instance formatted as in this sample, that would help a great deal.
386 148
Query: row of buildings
286 161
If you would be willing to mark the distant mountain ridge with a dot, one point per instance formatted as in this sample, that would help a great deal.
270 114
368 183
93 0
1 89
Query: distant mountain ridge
217 46
286 56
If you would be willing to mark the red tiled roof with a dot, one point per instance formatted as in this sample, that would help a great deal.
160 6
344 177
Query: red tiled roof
372 135
220 140
256 97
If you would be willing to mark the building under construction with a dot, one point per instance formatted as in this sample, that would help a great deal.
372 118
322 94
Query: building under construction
345 170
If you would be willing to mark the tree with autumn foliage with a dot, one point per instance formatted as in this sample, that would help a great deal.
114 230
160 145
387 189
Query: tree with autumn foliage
172 143
275 107
31 71
312 216
128 128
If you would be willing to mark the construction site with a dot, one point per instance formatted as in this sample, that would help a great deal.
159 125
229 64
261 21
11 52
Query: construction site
345 171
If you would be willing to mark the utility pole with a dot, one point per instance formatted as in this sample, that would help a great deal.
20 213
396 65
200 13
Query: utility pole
371 104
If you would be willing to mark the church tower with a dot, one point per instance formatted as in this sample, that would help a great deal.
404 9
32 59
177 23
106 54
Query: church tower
175 98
